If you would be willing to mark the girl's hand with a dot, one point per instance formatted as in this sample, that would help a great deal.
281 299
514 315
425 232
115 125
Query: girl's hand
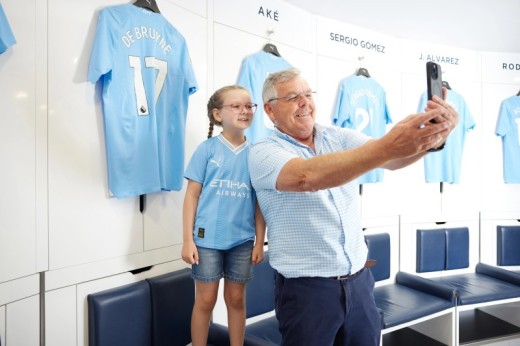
189 253
258 254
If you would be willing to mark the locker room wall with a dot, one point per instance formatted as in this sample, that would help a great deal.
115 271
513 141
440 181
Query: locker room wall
56 215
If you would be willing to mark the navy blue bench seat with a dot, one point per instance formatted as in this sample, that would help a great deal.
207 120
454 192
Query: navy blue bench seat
408 298
481 286
401 302
155 311
448 249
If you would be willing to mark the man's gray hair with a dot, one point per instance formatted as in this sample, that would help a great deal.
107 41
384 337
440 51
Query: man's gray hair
269 90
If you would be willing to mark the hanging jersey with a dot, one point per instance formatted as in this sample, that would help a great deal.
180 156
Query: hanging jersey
145 68
253 72
508 127
361 105
444 165
6 34
226 206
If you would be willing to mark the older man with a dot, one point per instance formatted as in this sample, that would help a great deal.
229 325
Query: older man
304 175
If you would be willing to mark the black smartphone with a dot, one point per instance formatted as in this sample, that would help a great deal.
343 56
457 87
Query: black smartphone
434 80
434 77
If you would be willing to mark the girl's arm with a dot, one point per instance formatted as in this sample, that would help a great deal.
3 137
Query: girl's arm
258 249
191 199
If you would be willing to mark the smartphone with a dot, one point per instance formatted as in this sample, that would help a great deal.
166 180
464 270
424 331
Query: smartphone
434 78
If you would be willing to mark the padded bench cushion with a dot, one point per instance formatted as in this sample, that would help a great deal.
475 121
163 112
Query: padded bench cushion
121 316
263 332
476 288
173 295
431 250
260 291
401 304
508 245
457 248
379 250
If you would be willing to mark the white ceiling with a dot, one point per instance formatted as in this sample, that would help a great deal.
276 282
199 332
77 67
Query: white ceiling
481 25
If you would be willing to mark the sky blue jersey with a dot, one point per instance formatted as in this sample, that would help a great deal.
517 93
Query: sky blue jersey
145 69
508 127
361 105
253 72
226 207
6 34
445 165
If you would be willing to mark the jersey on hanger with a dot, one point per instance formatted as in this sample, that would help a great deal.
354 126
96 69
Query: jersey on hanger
226 206
145 68
6 35
444 165
508 127
253 72
361 105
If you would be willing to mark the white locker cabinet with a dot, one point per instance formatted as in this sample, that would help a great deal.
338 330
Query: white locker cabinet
23 322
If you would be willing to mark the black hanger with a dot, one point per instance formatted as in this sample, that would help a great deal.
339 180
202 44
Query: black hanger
271 48
362 72
148 4
446 84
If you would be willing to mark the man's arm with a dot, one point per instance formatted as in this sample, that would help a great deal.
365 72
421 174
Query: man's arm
404 144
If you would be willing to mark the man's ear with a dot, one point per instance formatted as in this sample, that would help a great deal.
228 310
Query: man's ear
268 109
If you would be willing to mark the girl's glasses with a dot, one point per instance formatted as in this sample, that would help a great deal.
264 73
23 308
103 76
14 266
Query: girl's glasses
239 108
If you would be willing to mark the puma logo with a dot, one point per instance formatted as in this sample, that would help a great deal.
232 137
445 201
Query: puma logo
217 163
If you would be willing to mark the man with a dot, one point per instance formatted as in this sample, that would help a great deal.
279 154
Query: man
304 176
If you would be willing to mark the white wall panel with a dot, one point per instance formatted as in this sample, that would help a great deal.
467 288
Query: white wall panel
457 64
2 325
84 223
60 317
355 44
60 278
23 322
196 6
163 215
20 288
277 20
501 68
18 149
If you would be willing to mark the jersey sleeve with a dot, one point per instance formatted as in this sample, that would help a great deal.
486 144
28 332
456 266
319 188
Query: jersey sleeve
388 116
503 124
196 169
101 57
6 34
190 78
469 121
341 111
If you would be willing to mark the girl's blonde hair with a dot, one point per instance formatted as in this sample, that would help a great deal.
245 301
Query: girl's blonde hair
216 101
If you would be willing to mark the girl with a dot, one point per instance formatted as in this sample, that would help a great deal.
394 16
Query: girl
221 216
